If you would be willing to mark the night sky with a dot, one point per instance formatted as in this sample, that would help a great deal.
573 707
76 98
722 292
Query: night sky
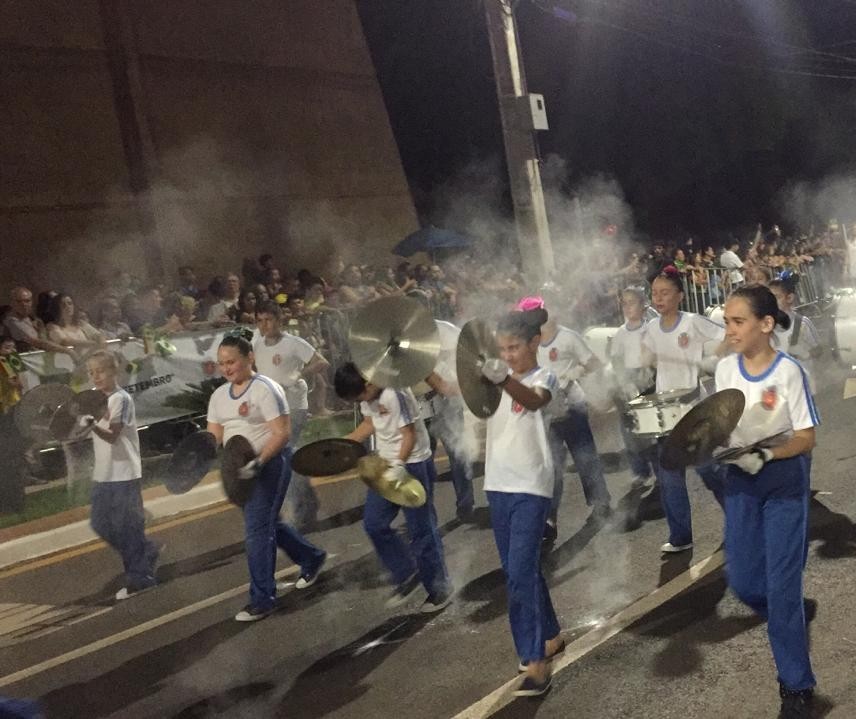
703 110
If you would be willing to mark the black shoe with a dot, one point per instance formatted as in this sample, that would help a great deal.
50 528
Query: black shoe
551 532
253 614
795 704
529 687
465 514
436 602
403 591
307 579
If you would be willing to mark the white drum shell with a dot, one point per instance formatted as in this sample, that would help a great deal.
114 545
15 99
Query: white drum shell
654 418
845 328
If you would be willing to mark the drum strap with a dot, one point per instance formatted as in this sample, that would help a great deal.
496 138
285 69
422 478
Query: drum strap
795 335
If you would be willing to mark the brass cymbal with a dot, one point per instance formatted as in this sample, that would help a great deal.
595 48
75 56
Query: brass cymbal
394 342
476 344
190 462
734 452
407 493
327 457
704 428
34 414
237 452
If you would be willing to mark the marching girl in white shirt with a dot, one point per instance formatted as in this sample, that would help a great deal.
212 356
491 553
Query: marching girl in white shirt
519 485
800 339
767 490
676 343
625 352
254 406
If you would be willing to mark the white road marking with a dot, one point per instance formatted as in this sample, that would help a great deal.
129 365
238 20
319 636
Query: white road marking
100 644
502 697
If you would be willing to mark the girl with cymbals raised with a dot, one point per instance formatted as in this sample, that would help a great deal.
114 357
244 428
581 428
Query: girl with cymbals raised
519 483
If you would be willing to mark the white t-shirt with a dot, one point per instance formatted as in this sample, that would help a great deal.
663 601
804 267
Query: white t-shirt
730 261
778 400
283 362
806 342
518 457
566 350
626 347
392 410
120 461
679 351
248 412
446 365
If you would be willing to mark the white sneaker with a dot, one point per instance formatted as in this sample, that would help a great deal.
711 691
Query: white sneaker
128 592
669 548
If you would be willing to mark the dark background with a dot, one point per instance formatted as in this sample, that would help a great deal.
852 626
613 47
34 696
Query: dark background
704 111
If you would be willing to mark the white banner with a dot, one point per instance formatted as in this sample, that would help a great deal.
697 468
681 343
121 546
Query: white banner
159 382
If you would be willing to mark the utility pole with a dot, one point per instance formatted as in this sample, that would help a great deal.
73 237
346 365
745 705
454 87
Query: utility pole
533 232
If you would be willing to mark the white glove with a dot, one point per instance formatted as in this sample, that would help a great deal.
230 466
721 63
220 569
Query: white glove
250 469
494 370
572 374
85 421
395 474
753 461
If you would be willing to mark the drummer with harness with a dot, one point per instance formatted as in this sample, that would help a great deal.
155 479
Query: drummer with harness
677 344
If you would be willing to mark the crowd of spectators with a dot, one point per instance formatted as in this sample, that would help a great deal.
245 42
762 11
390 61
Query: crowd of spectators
464 285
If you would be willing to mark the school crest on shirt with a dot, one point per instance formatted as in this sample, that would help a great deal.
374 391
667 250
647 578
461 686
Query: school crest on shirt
683 340
244 409
277 359
516 407
554 354
769 397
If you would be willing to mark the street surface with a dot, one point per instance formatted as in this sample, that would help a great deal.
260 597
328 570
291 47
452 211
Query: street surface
647 637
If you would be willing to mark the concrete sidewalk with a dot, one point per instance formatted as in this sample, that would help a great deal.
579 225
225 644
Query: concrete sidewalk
49 535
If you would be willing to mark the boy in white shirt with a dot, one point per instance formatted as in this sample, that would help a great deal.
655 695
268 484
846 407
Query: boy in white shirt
730 261
392 416
117 501
289 360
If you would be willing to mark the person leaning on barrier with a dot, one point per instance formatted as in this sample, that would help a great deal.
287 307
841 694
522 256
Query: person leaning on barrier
27 332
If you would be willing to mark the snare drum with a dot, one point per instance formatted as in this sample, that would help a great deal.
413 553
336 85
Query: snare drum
845 327
656 415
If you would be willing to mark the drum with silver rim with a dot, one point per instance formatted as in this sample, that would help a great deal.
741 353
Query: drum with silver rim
656 415
845 327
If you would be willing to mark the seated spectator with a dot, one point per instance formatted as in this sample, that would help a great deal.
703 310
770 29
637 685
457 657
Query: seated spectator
187 282
66 327
221 311
109 322
28 333
179 314
247 307
352 291
273 282
143 308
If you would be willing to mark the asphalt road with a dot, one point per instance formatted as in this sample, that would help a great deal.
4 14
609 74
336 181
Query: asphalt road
647 637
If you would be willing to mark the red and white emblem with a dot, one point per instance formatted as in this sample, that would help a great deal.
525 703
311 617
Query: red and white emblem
277 359
554 354
244 409
516 407
683 340
769 397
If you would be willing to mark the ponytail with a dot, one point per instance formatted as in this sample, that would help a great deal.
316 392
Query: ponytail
240 337
762 303
524 324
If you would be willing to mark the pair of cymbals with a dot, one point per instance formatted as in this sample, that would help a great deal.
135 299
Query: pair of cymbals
705 427
394 342
329 457
51 411
195 457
